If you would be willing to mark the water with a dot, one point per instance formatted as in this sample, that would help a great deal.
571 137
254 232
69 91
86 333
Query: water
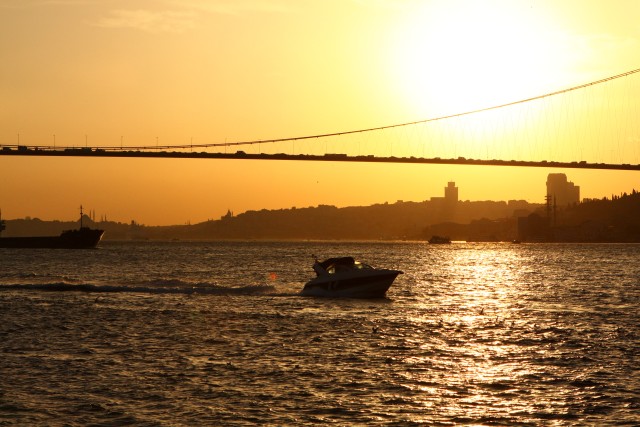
215 334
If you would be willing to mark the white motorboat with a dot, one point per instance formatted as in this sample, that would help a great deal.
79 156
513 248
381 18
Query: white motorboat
346 277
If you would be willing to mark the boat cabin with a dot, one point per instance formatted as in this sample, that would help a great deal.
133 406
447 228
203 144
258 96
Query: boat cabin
336 265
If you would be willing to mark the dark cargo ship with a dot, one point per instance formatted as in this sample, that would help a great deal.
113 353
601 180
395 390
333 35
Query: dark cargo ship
82 238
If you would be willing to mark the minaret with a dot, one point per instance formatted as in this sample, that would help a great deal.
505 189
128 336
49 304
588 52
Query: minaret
2 226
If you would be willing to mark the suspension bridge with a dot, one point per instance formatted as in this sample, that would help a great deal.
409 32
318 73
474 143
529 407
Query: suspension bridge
590 126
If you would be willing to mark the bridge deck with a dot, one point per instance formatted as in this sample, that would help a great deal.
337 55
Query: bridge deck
241 155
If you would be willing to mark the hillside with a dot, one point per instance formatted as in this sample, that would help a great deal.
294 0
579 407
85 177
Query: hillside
400 220
616 220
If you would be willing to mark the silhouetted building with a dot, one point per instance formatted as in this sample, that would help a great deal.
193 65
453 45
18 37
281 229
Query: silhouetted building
228 215
562 192
447 204
451 194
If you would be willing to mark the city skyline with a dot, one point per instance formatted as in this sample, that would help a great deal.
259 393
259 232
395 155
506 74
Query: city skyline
87 73
557 190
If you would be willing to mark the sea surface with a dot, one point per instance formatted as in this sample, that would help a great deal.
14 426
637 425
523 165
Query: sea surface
185 334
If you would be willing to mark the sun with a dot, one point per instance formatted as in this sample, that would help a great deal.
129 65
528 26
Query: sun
454 56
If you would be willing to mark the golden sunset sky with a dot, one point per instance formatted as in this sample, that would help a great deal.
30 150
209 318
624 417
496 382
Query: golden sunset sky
169 72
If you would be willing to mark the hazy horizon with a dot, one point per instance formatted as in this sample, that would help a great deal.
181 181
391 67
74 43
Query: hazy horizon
104 215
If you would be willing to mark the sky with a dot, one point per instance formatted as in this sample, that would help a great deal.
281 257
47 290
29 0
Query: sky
172 72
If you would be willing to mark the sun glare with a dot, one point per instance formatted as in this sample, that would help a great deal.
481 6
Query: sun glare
451 57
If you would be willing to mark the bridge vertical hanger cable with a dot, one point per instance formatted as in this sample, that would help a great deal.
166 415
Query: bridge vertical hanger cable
358 131
495 107
327 135
635 142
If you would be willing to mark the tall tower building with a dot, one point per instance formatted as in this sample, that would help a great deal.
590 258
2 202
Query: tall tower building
450 199
451 193
562 192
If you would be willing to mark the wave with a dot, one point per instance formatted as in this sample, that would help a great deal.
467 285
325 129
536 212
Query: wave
23 276
154 287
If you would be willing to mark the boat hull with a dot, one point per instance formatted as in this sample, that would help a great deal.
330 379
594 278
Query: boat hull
83 238
363 286
439 240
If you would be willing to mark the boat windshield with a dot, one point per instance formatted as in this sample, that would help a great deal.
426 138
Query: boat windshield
363 266
338 267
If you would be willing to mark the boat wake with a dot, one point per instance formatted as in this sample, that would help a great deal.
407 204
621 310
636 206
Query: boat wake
153 287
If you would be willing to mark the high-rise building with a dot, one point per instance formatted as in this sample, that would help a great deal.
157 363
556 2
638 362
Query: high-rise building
451 194
562 192
450 200
447 204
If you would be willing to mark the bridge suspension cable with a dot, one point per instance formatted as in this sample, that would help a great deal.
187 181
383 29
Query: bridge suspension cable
350 132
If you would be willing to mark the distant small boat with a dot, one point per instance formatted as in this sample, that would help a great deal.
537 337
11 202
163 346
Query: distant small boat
346 277
438 240
82 238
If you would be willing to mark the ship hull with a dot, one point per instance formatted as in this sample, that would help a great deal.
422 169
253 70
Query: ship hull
83 238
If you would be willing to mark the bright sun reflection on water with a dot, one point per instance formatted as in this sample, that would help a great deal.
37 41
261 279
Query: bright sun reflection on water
482 336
